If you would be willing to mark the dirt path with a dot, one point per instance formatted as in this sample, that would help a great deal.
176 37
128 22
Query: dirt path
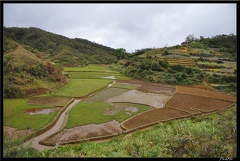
35 141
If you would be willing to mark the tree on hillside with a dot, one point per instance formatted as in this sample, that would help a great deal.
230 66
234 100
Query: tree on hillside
120 53
190 38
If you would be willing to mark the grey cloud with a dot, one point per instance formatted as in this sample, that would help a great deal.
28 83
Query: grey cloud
131 26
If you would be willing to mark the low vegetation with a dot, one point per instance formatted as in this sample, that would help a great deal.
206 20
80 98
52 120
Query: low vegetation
82 87
211 136
15 115
96 113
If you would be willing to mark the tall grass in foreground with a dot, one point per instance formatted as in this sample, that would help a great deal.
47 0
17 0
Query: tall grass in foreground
201 137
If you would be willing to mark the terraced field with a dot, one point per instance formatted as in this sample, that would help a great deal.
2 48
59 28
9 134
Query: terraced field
205 93
191 103
49 100
153 116
107 105
134 96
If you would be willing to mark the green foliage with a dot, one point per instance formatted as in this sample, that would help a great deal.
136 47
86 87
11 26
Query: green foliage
210 64
120 53
160 71
226 43
8 44
197 45
229 82
39 70
60 49
14 149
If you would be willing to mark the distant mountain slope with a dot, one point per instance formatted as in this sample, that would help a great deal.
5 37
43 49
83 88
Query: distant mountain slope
26 74
60 49
209 61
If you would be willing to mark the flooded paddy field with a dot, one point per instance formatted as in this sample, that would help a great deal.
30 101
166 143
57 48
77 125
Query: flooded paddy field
135 96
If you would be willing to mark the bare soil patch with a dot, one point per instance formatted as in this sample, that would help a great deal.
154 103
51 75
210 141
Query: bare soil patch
49 101
205 93
13 133
155 115
134 96
37 91
86 132
189 102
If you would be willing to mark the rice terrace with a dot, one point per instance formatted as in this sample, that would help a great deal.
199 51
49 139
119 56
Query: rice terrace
76 98
110 104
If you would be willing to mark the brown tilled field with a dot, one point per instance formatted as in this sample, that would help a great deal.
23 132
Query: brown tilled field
205 93
155 115
49 101
203 104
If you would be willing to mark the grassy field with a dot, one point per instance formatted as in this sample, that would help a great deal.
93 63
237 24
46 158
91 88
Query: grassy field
93 71
95 75
16 117
90 68
93 113
82 87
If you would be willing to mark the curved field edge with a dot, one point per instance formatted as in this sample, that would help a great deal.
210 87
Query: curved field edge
189 126
51 124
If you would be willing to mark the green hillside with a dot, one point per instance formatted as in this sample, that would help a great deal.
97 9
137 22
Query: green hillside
60 49
26 74
207 61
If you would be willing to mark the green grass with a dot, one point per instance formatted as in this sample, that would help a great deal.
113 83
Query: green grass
14 115
93 113
82 87
96 75
90 68
210 65
93 71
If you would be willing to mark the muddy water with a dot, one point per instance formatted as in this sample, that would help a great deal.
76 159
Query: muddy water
112 83
34 142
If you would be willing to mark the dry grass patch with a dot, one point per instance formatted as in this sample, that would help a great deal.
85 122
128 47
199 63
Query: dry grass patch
50 101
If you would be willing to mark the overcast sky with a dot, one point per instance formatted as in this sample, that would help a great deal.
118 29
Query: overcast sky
130 26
